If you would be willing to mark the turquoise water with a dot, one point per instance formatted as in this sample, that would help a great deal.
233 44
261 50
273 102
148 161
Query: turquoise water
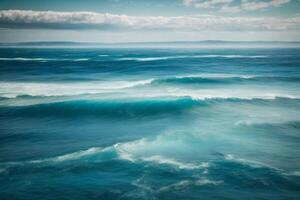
149 123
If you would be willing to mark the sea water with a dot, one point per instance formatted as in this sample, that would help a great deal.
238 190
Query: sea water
149 123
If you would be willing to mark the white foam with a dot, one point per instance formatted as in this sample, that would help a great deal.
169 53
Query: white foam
294 173
177 186
228 56
71 156
207 182
82 59
25 59
186 183
163 160
232 93
78 154
149 151
216 75
42 59
145 59
251 163
62 158
123 154
14 89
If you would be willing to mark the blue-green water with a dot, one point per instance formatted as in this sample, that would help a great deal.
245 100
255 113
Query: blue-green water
149 123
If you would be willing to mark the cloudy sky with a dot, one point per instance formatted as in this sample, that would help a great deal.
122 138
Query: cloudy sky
149 20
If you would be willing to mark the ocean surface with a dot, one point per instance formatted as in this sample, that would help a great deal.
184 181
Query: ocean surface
149 123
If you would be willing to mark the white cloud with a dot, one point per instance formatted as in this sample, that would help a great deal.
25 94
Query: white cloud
100 21
205 3
258 5
227 5
230 9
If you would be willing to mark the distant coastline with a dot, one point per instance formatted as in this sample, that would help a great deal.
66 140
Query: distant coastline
175 44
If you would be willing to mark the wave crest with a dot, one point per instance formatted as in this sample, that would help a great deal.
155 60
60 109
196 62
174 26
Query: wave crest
147 59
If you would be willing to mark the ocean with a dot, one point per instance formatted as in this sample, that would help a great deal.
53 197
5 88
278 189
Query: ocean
149 123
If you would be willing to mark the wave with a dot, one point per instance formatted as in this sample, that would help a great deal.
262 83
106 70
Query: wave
15 89
215 75
102 108
24 59
42 59
72 156
134 152
224 80
121 151
81 59
146 59
82 154
197 96
141 59
163 160
237 96
250 163
181 185
294 173
127 108
158 153
285 123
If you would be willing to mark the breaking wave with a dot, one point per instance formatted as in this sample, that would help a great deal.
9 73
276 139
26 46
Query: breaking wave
124 108
42 59
146 59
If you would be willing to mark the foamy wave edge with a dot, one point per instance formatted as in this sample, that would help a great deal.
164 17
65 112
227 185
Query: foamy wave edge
119 153
147 59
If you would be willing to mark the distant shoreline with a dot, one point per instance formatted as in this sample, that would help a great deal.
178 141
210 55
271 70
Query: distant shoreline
168 44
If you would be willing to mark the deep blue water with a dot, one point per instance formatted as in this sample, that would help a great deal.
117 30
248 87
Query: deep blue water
149 123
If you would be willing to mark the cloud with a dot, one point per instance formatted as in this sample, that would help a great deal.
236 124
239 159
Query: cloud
205 4
234 7
258 5
104 21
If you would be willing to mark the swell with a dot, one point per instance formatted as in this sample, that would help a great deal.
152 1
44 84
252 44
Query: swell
225 80
290 124
43 59
128 108
147 59
129 152
121 151
15 89
103 108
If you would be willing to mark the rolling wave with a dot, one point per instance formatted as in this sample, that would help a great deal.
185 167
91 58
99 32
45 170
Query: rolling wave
146 59
184 184
122 151
225 80
25 59
285 123
43 59
141 152
125 108
15 89
112 108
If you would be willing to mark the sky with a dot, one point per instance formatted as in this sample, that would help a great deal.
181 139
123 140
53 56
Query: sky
149 20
